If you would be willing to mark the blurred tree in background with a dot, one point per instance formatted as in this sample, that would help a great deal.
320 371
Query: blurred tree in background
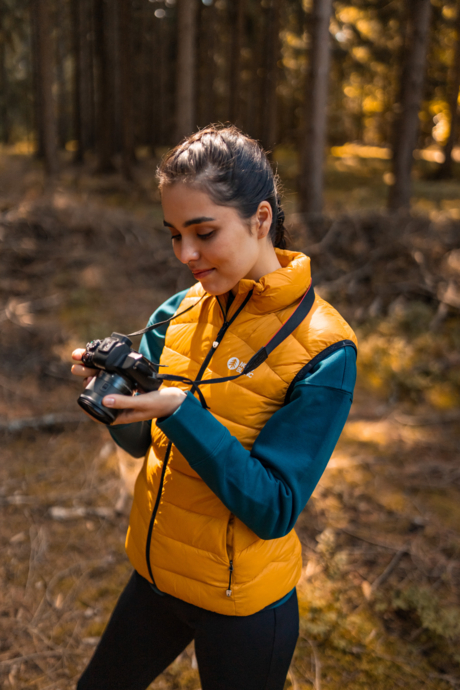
357 102
115 77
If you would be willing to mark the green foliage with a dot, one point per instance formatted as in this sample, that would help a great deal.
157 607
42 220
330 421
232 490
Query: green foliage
433 614
405 359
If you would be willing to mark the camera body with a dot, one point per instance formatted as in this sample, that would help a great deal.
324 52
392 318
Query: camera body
122 371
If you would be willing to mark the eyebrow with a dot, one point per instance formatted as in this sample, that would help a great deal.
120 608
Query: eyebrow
192 221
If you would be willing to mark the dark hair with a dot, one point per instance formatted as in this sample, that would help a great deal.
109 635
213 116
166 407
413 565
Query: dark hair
232 168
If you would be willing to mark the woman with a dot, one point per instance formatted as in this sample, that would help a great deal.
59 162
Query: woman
229 465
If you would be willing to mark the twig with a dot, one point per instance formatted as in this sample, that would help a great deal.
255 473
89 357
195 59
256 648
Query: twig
390 568
292 678
317 662
90 565
61 513
46 420
426 420
39 655
371 541
407 666
358 273
322 246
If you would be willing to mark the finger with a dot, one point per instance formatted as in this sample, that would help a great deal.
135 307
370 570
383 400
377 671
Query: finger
129 417
78 353
128 402
80 370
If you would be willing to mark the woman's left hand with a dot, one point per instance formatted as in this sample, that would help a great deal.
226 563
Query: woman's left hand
145 406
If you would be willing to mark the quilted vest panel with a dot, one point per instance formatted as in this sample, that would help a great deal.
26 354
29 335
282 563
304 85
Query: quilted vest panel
194 535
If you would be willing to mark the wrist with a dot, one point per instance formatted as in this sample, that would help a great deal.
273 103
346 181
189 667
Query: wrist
172 399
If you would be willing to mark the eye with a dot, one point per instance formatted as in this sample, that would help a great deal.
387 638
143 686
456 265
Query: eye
206 235
176 237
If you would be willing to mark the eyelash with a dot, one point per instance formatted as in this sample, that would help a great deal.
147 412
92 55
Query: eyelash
206 236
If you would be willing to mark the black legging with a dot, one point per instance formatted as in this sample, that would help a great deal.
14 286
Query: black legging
147 632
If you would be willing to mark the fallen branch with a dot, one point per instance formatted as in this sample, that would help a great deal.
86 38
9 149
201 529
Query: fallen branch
317 662
39 655
361 272
390 568
61 513
47 420
371 541
426 420
326 242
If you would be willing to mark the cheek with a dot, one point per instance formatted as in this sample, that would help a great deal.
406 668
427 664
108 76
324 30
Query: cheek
237 249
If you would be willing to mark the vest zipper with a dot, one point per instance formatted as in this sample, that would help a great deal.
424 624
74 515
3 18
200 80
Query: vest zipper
221 334
206 361
229 590
155 510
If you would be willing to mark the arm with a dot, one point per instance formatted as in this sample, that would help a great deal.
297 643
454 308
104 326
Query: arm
135 438
269 486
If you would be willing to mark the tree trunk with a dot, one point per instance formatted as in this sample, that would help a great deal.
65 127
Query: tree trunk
206 70
312 153
186 59
4 122
37 108
104 90
76 19
237 26
61 50
88 69
446 168
47 119
407 123
126 90
272 56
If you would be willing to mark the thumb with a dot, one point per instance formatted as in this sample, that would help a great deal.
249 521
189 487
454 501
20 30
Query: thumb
122 402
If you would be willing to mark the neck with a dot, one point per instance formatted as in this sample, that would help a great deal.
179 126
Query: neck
267 262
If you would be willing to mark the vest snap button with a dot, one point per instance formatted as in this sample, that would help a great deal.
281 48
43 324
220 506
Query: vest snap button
215 344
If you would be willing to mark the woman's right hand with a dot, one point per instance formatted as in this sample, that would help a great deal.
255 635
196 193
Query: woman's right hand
80 369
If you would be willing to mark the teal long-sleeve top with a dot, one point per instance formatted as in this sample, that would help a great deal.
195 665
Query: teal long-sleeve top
268 486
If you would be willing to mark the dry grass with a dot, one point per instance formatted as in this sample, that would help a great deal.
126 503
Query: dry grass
380 588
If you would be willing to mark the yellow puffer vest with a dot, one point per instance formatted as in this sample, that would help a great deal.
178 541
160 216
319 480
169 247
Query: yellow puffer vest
194 535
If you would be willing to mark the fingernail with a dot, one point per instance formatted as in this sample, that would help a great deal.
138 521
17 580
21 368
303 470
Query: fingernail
108 402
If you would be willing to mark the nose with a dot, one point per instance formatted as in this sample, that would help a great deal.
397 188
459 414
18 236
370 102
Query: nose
187 251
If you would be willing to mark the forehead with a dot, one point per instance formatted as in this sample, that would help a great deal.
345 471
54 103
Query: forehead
182 202
180 196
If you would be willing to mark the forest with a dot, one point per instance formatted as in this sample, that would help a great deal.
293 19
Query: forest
357 104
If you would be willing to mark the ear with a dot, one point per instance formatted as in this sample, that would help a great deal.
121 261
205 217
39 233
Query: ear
264 217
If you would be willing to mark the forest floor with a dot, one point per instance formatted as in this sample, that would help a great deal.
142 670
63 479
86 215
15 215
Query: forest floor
379 593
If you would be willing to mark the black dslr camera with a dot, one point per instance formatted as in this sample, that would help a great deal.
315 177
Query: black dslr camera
122 370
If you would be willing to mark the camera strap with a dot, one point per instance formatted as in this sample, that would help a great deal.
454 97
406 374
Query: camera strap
288 327
147 329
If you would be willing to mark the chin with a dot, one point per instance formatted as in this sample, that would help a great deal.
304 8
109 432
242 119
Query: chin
214 287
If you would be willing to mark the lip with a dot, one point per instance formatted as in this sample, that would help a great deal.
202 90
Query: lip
199 275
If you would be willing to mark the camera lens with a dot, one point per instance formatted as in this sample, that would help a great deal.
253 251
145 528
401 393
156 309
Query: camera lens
104 384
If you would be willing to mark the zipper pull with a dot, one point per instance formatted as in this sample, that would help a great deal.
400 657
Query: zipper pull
229 590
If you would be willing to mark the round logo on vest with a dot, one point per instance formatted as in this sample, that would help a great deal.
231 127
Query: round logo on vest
235 363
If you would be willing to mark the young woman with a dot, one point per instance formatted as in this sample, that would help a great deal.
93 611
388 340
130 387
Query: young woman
229 463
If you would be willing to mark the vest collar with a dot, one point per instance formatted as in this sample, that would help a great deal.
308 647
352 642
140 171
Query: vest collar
279 289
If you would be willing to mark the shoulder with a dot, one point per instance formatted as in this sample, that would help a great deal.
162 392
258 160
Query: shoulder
152 343
323 327
333 368
168 307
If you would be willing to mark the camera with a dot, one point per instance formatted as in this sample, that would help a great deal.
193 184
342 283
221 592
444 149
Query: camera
122 371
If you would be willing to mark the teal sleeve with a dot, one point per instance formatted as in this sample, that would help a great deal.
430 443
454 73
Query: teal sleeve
135 438
268 487
152 343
